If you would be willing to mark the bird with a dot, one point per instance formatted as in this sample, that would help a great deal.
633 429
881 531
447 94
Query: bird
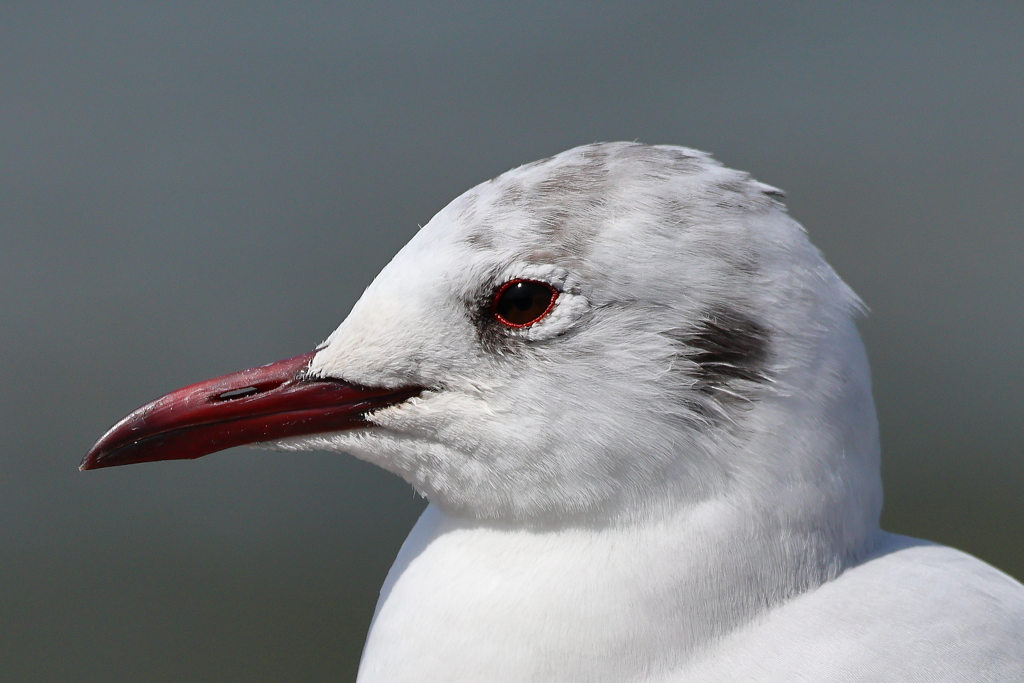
634 396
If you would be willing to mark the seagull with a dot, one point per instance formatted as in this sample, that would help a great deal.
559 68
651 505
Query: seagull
634 395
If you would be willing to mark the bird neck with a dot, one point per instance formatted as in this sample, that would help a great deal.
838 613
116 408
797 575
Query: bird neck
472 601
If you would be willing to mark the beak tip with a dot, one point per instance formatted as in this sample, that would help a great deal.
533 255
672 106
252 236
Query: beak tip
89 462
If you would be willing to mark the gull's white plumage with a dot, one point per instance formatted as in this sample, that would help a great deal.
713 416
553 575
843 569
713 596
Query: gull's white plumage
673 476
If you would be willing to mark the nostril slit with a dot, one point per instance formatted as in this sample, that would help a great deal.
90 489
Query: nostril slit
246 392
237 393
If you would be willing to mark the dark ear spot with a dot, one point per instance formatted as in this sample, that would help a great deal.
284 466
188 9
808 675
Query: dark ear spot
730 353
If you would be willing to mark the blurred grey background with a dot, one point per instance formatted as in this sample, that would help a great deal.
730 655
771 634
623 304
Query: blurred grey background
190 189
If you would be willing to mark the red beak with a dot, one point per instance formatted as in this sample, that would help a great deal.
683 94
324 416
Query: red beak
260 404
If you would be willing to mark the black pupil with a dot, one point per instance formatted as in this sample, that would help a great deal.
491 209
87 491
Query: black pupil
523 302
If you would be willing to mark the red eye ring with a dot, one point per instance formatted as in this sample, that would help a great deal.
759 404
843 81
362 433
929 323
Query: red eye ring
521 303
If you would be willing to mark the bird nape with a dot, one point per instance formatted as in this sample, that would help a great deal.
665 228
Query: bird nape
635 398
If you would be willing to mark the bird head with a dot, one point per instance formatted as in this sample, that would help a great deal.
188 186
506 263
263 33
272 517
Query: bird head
602 334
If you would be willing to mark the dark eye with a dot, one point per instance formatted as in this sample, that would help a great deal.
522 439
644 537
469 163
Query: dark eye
521 303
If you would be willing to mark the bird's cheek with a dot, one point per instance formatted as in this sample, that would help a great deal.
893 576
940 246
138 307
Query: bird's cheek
464 422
